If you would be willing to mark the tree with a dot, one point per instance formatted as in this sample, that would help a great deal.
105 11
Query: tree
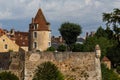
77 47
61 48
90 43
113 19
51 49
108 74
8 76
113 54
69 32
100 32
48 71
109 33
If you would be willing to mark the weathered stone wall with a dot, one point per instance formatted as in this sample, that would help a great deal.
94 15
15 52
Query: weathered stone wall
13 62
74 66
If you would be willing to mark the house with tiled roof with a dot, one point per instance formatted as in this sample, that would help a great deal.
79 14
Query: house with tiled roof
6 44
107 62
21 39
39 33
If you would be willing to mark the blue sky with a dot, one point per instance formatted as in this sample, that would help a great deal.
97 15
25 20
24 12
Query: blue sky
17 14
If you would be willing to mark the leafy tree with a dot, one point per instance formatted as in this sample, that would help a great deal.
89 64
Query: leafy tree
108 74
118 69
61 48
113 54
51 49
8 76
100 32
48 71
90 43
113 19
77 47
109 33
69 32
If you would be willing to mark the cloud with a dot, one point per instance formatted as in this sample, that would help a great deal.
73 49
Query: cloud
88 12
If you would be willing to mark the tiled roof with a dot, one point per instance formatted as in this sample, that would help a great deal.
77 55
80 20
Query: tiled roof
1 32
21 38
105 59
39 19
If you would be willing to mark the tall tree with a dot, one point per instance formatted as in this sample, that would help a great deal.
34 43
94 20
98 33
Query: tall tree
69 32
8 76
113 19
100 32
48 71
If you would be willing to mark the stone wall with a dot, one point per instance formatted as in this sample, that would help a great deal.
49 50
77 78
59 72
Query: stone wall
12 62
74 66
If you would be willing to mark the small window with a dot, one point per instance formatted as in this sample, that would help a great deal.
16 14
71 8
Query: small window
35 34
35 45
6 46
3 40
49 35
35 26
49 44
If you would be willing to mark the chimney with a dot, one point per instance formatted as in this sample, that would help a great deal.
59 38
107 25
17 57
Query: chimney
32 20
60 38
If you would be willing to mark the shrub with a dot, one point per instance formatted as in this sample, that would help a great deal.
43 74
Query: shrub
8 76
48 71
77 47
61 48
51 49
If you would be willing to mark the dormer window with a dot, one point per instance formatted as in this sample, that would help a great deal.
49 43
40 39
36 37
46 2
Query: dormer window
35 26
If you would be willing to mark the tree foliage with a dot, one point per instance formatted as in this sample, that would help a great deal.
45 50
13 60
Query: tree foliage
77 47
113 54
108 74
69 32
100 32
48 71
113 19
61 48
8 76
51 49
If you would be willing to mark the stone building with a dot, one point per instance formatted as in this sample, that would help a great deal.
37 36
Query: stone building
6 44
39 33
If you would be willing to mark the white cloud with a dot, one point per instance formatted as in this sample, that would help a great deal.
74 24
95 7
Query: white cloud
85 11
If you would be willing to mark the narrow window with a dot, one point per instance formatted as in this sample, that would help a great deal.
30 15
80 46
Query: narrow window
35 26
49 35
49 44
6 46
35 34
35 45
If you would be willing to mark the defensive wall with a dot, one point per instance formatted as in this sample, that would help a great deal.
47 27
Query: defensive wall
74 65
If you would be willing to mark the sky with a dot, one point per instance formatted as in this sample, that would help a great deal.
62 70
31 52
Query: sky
17 14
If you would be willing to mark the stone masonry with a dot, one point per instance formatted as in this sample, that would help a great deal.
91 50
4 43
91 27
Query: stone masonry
74 66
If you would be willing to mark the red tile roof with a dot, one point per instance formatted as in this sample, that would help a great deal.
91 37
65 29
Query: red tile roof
1 32
105 59
21 38
41 21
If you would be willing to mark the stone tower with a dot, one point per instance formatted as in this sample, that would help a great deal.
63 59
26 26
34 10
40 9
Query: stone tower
39 33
